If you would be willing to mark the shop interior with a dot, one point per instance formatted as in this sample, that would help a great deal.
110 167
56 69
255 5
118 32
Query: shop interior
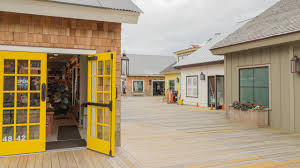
158 88
66 114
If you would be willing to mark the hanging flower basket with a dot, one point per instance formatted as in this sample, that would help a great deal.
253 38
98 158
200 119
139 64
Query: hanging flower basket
249 113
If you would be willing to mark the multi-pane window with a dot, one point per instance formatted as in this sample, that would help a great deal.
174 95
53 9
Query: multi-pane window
254 85
138 86
172 85
192 86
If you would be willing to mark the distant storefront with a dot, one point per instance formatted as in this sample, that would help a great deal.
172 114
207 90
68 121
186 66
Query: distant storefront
143 76
202 77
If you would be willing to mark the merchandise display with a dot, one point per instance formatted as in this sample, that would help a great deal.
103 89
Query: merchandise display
62 82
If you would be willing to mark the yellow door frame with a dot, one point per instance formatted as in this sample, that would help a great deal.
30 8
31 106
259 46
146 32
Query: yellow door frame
10 147
96 138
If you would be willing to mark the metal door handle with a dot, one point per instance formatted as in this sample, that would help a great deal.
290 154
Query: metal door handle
100 105
44 92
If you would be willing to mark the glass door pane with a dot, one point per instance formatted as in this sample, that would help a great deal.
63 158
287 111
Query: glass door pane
101 105
23 114
211 90
220 91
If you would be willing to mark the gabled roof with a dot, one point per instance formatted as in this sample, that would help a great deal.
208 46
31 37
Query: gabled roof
148 65
203 55
281 19
170 69
126 5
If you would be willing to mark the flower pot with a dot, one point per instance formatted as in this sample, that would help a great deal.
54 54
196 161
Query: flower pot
258 118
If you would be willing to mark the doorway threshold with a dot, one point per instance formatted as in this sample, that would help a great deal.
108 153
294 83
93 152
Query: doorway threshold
65 144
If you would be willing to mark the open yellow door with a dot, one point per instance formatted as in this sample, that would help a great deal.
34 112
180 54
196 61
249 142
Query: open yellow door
22 102
101 103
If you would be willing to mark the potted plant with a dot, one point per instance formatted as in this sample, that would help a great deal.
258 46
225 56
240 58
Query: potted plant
249 112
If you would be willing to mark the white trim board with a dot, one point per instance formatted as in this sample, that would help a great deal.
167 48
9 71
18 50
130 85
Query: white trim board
46 50
38 7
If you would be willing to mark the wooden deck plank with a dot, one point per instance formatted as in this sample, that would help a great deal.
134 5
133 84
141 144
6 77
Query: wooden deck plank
63 162
4 162
95 159
54 160
101 159
31 161
70 159
23 161
82 160
14 161
39 160
47 160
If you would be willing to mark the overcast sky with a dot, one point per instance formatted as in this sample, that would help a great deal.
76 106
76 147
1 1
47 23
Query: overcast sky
171 25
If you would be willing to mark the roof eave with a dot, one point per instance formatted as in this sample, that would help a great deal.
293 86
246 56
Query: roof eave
200 64
170 72
146 75
269 41
45 8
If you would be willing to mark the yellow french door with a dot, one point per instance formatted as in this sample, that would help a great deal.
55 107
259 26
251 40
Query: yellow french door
101 103
22 102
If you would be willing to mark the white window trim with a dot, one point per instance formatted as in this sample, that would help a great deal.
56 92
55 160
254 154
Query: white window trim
138 81
186 83
270 81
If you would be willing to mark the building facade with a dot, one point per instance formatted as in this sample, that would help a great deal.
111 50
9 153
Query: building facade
173 75
204 91
144 78
172 80
202 76
52 30
145 85
264 68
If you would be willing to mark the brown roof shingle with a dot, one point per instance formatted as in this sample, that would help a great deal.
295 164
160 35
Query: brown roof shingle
282 18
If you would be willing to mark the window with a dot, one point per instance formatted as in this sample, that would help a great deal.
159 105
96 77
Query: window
192 86
125 67
172 85
138 86
254 85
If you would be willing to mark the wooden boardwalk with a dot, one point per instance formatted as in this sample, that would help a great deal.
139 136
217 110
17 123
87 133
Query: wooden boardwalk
69 159
157 135
170 136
